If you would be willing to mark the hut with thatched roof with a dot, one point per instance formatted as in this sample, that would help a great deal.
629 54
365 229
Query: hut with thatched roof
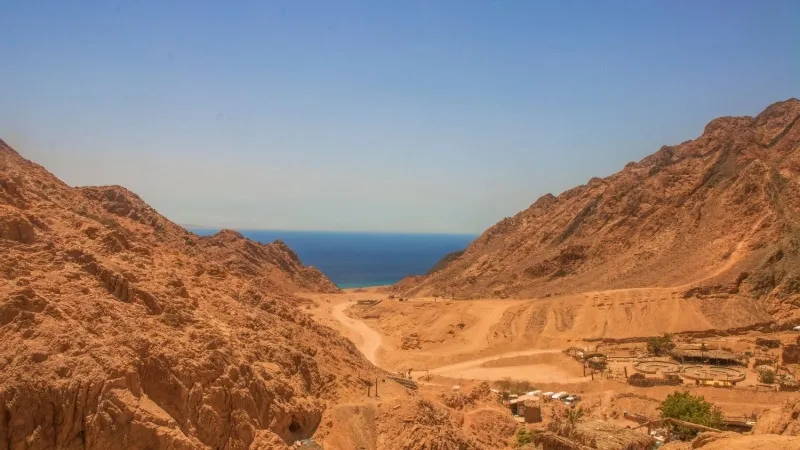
553 441
605 436
594 435
714 357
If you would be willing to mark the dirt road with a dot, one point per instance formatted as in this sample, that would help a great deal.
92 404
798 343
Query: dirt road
617 308
537 373
370 340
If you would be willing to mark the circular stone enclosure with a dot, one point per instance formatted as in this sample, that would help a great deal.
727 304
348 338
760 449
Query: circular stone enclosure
713 373
653 367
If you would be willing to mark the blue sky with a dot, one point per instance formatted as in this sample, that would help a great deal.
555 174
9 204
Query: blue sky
416 116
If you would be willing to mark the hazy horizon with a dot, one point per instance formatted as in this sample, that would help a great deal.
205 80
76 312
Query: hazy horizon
413 117
194 227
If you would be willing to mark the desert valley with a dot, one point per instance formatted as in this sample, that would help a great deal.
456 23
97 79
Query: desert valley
567 326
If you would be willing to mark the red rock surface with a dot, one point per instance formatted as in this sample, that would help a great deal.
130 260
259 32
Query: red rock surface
120 329
783 419
716 215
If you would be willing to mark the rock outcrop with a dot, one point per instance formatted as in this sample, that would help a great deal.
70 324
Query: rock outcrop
120 329
783 419
445 261
719 214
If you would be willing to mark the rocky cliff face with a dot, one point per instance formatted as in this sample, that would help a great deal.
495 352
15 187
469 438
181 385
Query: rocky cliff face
120 329
719 214
445 261
783 419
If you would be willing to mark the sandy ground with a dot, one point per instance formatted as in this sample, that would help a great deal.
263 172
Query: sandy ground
427 333
368 340
498 367
460 341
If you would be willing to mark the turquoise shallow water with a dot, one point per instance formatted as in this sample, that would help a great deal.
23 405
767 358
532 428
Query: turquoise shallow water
354 260
357 284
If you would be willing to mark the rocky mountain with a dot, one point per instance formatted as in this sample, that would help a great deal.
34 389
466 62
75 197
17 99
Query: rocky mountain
445 261
718 215
120 329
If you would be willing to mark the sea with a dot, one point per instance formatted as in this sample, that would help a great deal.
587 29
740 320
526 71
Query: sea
353 260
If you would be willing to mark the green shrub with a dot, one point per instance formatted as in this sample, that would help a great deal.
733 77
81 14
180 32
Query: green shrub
524 436
766 376
691 408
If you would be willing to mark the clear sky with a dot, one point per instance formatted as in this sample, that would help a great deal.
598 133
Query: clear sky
420 116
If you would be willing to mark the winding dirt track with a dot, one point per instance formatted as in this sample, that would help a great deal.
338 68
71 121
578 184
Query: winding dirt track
537 373
370 339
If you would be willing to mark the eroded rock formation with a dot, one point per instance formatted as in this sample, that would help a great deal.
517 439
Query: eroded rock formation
120 329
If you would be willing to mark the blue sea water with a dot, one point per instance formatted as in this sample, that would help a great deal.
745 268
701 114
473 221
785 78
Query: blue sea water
363 259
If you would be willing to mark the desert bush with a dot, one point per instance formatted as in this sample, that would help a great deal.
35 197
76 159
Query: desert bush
768 343
504 385
766 376
565 421
514 386
523 386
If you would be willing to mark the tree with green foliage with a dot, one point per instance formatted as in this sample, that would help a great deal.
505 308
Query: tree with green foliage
660 345
691 408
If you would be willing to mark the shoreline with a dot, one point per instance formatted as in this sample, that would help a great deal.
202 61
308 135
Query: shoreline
365 287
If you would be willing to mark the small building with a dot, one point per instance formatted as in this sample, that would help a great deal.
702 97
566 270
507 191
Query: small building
715 382
532 411
529 407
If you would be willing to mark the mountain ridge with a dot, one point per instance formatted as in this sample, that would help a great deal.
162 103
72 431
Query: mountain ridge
121 329
727 199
